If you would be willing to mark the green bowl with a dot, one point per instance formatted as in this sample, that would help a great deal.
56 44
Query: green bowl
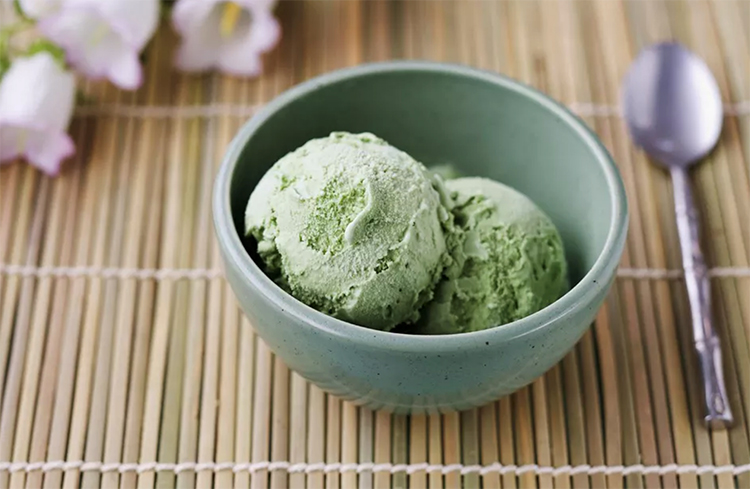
482 124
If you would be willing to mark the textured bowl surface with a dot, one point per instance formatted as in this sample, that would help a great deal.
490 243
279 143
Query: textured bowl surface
484 125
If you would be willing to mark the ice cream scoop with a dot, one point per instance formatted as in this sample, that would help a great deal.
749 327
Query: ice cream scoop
513 264
353 227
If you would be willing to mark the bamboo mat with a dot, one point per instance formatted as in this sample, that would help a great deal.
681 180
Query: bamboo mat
124 359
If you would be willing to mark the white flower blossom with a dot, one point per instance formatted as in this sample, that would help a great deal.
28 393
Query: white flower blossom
103 38
228 35
36 103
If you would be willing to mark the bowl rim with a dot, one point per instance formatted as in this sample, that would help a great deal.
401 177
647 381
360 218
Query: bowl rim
577 298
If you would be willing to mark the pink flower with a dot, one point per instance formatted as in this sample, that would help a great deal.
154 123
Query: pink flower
36 104
230 36
103 38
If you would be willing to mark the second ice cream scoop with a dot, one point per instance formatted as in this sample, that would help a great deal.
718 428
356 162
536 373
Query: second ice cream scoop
513 262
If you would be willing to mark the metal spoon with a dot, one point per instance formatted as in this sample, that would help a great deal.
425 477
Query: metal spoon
674 112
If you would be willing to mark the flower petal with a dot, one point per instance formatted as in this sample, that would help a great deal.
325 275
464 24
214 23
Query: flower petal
200 48
242 56
36 104
36 91
44 149
265 31
189 15
133 20
125 70
75 30
47 151
39 8
93 46
239 63
238 51
258 5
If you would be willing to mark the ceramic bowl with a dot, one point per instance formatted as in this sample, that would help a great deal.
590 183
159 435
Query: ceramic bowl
484 125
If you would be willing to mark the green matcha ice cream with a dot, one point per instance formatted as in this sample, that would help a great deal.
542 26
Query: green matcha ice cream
514 263
354 228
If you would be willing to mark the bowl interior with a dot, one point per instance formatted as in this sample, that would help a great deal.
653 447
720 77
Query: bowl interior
482 125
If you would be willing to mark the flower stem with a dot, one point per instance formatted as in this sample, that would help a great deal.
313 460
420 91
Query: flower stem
7 50
19 11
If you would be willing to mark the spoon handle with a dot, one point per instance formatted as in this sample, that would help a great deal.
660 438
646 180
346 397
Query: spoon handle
718 412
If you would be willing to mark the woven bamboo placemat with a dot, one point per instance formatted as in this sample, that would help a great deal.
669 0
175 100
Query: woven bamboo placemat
124 359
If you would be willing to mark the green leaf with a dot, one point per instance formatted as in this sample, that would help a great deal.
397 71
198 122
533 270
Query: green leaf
47 46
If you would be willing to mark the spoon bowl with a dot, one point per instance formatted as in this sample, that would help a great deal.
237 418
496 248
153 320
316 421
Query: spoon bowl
672 105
